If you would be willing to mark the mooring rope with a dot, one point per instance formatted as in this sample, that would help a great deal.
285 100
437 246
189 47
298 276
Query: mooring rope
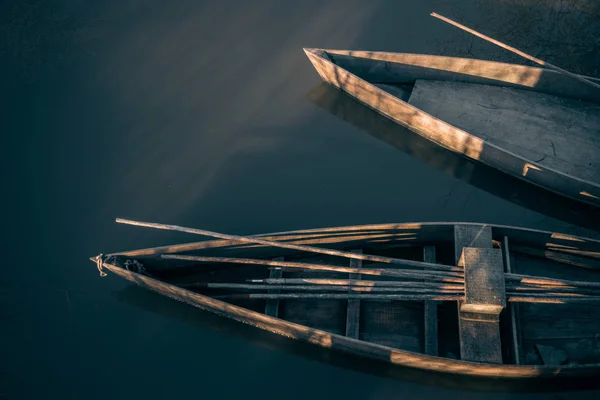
100 264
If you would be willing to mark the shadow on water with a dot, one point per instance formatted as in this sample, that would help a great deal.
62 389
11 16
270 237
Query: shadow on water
481 176
155 303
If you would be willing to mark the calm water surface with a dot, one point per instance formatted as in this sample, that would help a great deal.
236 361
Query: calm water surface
208 114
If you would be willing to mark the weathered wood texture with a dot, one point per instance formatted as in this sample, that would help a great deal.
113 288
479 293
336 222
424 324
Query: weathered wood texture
325 314
431 319
484 281
352 72
480 338
476 236
529 57
394 324
479 326
394 68
552 131
342 343
353 313
572 329
513 309
570 259
272 307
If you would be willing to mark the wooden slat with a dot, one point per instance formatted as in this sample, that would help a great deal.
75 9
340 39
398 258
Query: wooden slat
565 142
479 331
353 313
570 259
513 309
479 236
272 307
394 324
484 280
431 322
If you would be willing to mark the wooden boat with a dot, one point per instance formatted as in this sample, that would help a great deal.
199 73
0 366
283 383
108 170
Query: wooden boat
536 124
456 298
490 180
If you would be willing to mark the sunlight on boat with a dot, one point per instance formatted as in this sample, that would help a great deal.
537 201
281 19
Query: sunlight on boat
562 236
584 193
527 167
501 72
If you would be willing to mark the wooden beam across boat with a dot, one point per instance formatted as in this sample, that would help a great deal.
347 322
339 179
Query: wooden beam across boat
431 318
513 308
353 312
479 312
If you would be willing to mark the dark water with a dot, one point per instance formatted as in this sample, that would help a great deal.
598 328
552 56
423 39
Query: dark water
208 114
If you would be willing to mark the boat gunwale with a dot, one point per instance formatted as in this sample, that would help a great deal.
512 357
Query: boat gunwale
331 229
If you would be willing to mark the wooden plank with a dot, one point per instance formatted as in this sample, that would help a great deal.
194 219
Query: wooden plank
353 312
395 324
431 322
577 351
564 258
272 307
560 311
484 281
480 339
517 51
549 130
479 236
479 327
513 309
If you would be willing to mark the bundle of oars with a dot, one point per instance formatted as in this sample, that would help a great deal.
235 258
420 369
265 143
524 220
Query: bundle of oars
420 280
531 289
424 281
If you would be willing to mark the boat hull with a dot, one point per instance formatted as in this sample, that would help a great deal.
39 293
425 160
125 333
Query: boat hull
363 235
445 134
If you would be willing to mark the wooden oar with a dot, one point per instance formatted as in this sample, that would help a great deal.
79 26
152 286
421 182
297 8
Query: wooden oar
406 297
556 289
334 296
442 276
516 51
535 280
554 299
323 288
352 282
310 249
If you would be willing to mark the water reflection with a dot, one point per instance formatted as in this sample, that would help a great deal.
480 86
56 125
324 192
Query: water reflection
483 177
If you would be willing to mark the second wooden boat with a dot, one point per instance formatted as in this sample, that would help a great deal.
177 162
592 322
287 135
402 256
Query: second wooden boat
456 298
534 123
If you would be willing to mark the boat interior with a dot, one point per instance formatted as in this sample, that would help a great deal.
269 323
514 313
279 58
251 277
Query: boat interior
540 115
561 331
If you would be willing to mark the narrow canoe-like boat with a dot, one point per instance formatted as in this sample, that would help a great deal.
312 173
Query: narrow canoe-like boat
456 298
534 123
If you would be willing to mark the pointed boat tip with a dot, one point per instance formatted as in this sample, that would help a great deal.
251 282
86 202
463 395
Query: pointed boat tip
311 50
